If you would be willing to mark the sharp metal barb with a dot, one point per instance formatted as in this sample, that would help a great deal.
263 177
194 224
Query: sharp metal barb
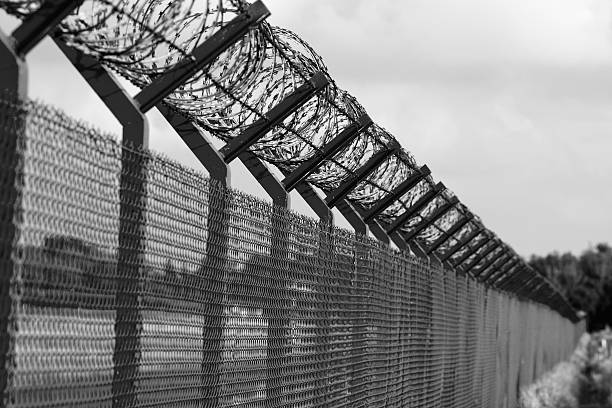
416 207
435 216
471 251
398 192
483 273
360 174
328 151
494 245
497 270
462 243
451 231
202 56
44 21
274 117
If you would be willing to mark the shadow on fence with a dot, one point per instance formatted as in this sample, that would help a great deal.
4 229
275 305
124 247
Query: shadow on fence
221 300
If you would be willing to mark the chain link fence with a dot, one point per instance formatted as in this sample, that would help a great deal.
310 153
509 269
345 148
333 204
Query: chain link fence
129 280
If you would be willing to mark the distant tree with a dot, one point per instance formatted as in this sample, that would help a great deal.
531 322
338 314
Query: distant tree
586 281
75 273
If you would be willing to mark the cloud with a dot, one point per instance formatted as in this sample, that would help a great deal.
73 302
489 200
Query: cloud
447 33
507 101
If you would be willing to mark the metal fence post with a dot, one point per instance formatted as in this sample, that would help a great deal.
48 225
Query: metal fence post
13 88
132 209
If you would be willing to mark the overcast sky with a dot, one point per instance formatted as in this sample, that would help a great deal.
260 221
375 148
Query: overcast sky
509 102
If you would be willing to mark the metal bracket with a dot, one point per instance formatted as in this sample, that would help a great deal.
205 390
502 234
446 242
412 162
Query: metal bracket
328 151
505 274
451 231
202 55
492 247
274 117
353 218
416 207
13 69
37 25
462 243
435 216
471 251
132 204
269 182
199 144
384 203
480 273
315 202
111 93
13 82
496 270
516 280
360 174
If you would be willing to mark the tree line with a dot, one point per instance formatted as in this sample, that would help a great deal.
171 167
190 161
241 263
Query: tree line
585 280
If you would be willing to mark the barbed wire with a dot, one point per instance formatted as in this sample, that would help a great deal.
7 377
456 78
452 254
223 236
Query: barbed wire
141 39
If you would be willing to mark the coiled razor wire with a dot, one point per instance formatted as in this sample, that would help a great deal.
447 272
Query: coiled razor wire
141 39
241 305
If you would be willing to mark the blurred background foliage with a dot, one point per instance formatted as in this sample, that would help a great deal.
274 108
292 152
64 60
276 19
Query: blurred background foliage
585 280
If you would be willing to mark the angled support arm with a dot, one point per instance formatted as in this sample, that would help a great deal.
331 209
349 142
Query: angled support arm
504 274
312 198
471 251
397 193
480 273
352 216
199 144
435 216
269 182
111 93
497 270
416 207
460 244
451 231
315 202
37 25
494 245
201 56
360 174
328 151
274 117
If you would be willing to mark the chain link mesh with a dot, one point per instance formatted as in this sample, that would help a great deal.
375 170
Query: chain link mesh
132 281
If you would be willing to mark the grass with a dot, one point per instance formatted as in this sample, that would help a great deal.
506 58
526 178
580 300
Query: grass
585 381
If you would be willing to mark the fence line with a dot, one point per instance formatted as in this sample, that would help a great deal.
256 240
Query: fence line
233 302
268 94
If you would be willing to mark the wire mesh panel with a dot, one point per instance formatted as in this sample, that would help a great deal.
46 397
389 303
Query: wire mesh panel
131 281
